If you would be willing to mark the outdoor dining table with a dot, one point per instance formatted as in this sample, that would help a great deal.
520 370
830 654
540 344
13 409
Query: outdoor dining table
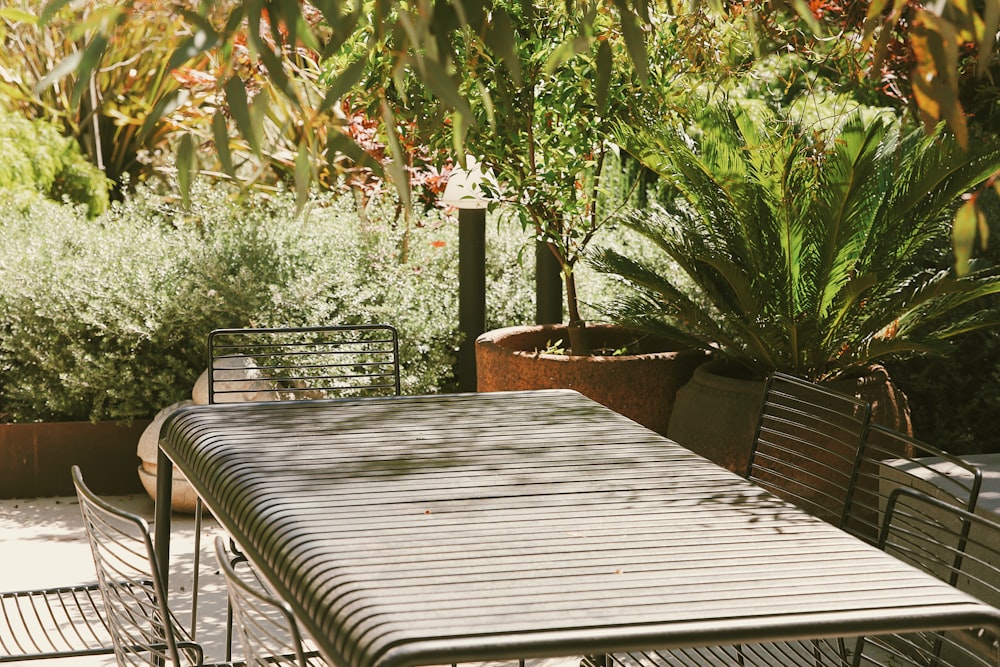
438 529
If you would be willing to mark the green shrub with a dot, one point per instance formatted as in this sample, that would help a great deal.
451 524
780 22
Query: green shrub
108 319
35 158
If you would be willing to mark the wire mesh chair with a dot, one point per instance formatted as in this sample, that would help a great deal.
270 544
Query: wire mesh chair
957 546
889 459
818 449
806 444
268 630
143 630
302 363
57 622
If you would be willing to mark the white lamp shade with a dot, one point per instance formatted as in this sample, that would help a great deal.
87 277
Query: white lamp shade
463 189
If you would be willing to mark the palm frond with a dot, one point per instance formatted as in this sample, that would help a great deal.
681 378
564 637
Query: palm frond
806 254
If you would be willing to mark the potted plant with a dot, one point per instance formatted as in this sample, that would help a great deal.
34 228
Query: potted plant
814 254
541 128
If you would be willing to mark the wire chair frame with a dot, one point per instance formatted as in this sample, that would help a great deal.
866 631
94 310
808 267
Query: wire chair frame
303 363
143 629
957 546
818 449
888 459
57 622
806 445
266 625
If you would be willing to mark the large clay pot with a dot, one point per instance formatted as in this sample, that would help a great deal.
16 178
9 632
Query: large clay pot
640 386
715 414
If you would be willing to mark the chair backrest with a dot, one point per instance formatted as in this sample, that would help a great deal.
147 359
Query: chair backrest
302 363
806 444
143 630
888 460
267 628
957 546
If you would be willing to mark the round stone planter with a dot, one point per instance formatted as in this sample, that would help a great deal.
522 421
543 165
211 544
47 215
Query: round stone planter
715 414
183 497
639 385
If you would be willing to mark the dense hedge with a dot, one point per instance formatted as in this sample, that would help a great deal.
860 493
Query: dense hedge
108 318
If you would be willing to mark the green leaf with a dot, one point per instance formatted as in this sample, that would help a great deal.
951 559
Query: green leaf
89 62
303 177
163 107
279 78
15 15
203 38
963 235
73 63
344 82
635 40
185 167
397 166
236 96
987 38
52 8
604 66
503 40
220 130
566 52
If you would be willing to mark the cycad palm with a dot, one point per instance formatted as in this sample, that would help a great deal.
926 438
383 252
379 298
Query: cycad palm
810 256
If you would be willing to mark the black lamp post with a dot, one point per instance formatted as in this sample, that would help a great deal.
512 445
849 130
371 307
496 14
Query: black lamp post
463 193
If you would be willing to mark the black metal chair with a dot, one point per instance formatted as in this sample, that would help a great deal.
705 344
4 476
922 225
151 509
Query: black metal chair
302 363
57 622
889 459
957 546
268 630
806 444
143 629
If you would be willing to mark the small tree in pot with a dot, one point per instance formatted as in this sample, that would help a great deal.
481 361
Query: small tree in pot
544 102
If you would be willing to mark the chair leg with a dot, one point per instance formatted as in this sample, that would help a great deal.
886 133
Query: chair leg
198 508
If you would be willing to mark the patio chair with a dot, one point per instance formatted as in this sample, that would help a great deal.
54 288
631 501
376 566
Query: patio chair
268 630
57 622
302 363
143 629
806 444
818 449
888 460
297 363
957 546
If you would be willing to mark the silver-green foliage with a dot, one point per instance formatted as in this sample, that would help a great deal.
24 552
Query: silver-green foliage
814 255
108 318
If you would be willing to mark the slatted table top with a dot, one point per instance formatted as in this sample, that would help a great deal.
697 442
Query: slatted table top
440 529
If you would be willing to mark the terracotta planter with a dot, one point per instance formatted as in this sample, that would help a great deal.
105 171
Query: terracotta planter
715 414
35 459
640 386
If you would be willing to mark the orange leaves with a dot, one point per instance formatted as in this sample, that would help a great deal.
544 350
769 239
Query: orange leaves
935 44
